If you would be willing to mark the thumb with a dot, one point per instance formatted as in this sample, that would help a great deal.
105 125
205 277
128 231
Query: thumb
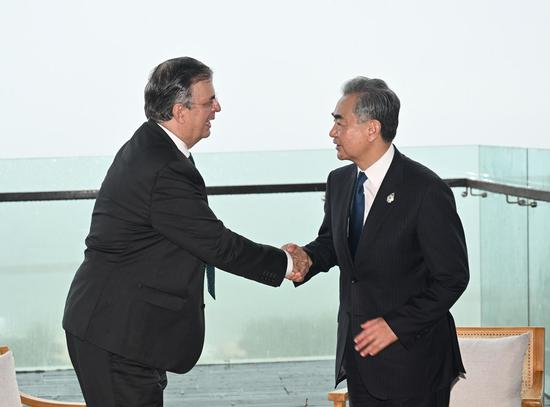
290 247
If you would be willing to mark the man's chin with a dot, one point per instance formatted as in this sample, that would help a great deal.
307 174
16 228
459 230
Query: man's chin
341 156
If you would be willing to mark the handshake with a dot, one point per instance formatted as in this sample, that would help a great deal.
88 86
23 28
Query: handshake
300 261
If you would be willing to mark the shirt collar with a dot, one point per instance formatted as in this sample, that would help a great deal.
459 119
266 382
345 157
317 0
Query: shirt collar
177 141
377 171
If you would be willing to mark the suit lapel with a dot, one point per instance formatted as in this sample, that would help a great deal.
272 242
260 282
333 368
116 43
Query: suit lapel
383 202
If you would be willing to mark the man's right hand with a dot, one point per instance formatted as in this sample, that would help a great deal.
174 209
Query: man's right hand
301 262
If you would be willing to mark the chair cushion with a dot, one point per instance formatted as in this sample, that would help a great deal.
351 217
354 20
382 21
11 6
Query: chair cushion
9 392
493 372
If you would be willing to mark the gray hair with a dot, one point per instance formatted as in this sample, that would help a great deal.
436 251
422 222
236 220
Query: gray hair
375 100
171 83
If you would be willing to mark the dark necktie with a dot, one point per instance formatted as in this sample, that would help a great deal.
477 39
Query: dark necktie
210 269
357 214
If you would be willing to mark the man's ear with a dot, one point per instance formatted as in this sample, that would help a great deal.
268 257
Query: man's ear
179 112
374 129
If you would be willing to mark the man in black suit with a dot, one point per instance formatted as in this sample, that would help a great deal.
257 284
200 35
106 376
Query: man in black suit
135 308
391 226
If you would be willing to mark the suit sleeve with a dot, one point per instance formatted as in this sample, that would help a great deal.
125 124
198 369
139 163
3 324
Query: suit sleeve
180 212
321 250
443 247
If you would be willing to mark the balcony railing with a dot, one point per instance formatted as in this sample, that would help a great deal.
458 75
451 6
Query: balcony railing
524 196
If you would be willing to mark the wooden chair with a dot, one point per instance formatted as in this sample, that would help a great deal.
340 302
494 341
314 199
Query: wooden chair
532 390
31 401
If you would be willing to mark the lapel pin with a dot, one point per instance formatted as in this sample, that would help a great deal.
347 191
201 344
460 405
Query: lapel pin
390 198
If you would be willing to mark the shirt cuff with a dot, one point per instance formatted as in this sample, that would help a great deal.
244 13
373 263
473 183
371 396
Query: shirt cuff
289 264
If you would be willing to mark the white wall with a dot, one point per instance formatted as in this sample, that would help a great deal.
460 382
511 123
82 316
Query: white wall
467 72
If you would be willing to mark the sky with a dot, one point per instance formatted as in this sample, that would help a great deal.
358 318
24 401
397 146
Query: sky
467 72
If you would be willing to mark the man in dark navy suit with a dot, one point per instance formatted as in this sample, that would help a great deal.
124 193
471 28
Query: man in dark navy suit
391 227
135 308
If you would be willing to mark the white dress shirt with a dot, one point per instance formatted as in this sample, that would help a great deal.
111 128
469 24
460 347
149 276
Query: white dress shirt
177 141
185 150
375 175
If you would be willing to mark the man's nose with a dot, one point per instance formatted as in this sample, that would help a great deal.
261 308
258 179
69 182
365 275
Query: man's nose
216 106
332 132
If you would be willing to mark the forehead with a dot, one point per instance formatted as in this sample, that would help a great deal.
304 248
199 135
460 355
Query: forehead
203 89
345 106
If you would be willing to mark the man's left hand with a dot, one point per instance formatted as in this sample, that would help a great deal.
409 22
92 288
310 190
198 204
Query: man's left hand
375 337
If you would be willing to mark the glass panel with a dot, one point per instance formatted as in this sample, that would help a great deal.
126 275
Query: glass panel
275 167
467 310
43 244
539 249
251 321
503 164
503 237
447 162
53 174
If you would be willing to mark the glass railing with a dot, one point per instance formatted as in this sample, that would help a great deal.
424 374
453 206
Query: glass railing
43 243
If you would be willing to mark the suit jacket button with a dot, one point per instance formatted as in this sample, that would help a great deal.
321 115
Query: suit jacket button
353 280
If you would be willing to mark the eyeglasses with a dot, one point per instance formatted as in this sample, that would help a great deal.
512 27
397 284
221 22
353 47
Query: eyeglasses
207 105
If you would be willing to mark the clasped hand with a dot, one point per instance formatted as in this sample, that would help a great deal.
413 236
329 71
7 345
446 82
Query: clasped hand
300 260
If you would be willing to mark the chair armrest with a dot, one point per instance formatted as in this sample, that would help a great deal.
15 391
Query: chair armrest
533 397
339 397
31 401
